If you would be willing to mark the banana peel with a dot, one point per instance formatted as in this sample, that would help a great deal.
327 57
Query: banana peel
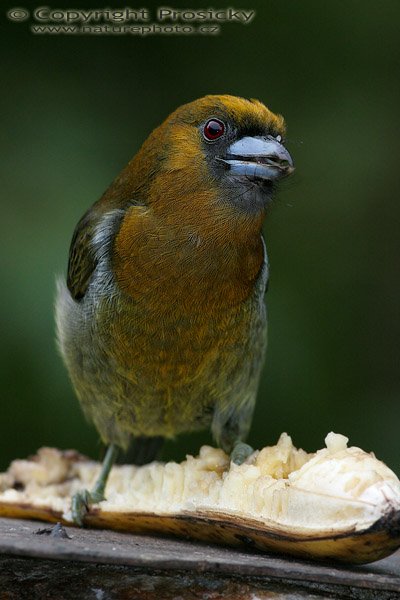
338 504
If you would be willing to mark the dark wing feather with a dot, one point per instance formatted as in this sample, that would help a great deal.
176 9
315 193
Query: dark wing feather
82 260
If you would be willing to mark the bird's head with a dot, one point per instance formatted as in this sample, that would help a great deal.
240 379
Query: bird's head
224 143
219 156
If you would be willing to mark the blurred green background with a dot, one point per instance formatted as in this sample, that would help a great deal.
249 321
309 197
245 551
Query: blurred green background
76 108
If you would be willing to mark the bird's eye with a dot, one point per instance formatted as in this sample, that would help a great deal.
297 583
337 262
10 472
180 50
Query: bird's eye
278 138
213 129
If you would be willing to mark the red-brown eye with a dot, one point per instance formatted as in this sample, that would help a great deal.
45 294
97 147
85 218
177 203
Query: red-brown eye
213 129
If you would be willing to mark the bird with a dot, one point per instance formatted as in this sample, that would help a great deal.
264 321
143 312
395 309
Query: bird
161 321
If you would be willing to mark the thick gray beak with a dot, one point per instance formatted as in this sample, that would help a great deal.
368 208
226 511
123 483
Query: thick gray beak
258 158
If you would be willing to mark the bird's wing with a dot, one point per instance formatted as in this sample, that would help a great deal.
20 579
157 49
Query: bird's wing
82 256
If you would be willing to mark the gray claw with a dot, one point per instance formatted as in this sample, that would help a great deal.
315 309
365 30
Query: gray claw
240 452
80 506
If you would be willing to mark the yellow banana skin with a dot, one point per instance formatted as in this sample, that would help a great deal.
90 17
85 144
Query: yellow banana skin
367 546
376 542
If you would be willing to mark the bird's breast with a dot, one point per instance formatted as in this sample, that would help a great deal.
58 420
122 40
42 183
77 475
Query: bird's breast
186 265
185 299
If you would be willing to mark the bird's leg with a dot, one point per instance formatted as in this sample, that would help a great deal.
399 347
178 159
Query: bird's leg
82 500
240 452
144 450
230 427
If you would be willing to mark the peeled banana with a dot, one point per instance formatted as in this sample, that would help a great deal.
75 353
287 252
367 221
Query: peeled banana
337 504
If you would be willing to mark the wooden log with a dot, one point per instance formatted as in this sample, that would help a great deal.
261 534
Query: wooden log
140 567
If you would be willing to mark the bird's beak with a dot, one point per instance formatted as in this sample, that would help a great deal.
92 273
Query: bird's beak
258 158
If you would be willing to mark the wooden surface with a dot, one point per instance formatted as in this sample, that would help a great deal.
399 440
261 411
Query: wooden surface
171 569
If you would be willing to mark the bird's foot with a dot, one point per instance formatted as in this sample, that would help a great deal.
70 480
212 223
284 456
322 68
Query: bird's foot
240 452
81 503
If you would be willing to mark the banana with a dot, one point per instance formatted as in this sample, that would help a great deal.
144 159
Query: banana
337 504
